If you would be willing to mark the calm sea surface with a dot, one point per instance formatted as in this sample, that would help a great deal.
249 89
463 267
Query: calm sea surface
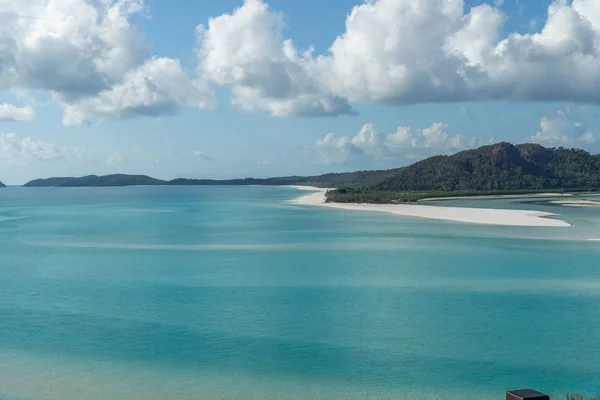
229 293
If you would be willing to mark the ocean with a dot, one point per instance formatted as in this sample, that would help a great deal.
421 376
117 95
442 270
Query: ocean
230 293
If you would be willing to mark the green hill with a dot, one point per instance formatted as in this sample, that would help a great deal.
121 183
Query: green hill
501 167
48 182
347 179
2 185
95 180
497 168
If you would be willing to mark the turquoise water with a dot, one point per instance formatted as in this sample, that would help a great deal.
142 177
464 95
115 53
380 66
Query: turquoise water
228 292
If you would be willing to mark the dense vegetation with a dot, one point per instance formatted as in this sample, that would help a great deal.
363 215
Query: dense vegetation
501 166
496 169
367 195
349 179
236 182
362 195
48 182
94 180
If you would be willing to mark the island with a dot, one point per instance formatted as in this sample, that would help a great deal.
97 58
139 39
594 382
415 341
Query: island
501 169
95 180
2 185
354 179
497 169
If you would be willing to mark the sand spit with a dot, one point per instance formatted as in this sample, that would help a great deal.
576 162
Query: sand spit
485 216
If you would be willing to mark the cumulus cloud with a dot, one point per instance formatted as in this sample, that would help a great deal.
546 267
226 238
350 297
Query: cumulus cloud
403 52
9 112
96 63
91 58
246 50
157 87
400 51
560 130
16 151
334 149
405 142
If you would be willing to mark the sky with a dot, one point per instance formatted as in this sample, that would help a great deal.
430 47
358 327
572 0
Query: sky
232 88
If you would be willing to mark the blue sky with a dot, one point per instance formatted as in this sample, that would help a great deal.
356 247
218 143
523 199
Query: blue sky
169 103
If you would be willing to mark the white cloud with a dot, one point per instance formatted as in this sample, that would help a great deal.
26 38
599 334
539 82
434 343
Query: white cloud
371 143
157 87
394 51
560 130
334 149
95 62
403 52
16 151
246 50
91 58
8 112
72 47
405 142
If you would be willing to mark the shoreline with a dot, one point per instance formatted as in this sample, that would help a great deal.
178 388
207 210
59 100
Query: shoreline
575 203
482 216
499 196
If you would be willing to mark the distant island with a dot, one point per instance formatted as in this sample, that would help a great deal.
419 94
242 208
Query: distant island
95 180
354 179
501 168
2 185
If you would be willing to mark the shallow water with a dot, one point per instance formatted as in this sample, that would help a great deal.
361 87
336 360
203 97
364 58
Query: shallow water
228 292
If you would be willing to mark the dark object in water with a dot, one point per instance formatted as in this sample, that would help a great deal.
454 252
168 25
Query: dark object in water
526 394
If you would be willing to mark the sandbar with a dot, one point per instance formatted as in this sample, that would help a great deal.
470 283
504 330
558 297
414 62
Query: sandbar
486 216
576 203
499 196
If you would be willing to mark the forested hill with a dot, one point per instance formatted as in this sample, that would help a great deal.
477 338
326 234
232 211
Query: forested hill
94 180
2 185
501 166
348 179
57 181
498 167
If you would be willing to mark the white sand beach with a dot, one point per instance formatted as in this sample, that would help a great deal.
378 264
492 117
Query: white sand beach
485 216
499 196
576 203
308 188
